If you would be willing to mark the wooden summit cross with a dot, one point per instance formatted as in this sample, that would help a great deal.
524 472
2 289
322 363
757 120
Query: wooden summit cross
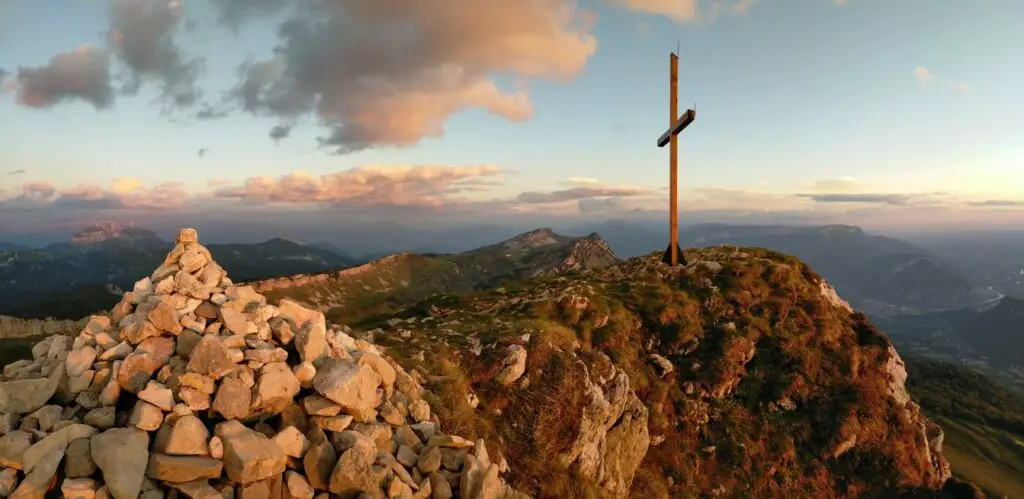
676 125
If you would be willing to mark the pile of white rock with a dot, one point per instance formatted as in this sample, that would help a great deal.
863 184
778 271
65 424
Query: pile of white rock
195 387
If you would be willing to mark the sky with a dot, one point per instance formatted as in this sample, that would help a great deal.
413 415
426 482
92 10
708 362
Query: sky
889 115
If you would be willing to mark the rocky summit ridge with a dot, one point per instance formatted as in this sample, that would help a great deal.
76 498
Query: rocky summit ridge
403 279
193 386
742 374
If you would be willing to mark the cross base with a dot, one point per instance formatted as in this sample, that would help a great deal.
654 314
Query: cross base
666 257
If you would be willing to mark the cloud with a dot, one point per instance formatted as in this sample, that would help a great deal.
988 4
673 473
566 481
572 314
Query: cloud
233 13
423 185
582 181
577 193
923 76
38 191
123 193
217 182
209 111
909 200
890 199
680 11
142 33
997 203
280 132
83 73
962 87
398 82
836 185
602 205
17 172
708 198
684 11
125 185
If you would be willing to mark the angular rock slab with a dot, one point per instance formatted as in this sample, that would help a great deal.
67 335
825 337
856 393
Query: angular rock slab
249 456
122 455
26 395
350 385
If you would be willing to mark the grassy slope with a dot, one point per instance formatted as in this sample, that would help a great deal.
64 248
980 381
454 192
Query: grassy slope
827 361
985 456
404 279
984 424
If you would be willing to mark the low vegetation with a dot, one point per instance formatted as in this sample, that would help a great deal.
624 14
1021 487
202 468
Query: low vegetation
775 391
983 422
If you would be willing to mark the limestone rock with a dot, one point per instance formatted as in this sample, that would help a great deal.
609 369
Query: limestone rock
36 483
59 439
158 395
180 469
121 454
248 455
276 388
233 399
297 487
78 461
26 395
353 474
292 442
352 386
187 437
80 360
8 481
12 448
514 365
211 358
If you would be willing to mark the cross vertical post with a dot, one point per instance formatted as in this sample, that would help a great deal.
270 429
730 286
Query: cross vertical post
673 161
676 125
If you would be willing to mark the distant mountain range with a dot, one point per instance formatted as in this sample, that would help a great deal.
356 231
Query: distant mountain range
877 274
880 275
111 254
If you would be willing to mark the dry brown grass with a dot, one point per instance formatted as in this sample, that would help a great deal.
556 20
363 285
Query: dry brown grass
827 362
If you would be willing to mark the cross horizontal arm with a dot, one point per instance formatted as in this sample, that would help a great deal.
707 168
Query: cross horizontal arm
677 127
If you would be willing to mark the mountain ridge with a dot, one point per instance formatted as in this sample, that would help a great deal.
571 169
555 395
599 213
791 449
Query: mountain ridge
32 281
406 276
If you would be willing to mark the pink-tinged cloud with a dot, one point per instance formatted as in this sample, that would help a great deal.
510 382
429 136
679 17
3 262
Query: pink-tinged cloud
426 185
83 73
684 11
38 191
578 193
422 62
124 193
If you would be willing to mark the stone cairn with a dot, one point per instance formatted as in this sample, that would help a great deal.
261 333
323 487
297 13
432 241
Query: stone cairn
296 411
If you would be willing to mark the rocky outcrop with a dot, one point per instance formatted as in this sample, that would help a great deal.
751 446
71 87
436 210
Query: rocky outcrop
590 252
612 438
127 403
929 435
13 327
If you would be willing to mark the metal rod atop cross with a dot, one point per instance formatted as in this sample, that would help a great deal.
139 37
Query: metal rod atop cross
676 125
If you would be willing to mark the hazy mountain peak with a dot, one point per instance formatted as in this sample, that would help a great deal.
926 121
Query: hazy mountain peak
106 231
287 240
535 239
840 229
